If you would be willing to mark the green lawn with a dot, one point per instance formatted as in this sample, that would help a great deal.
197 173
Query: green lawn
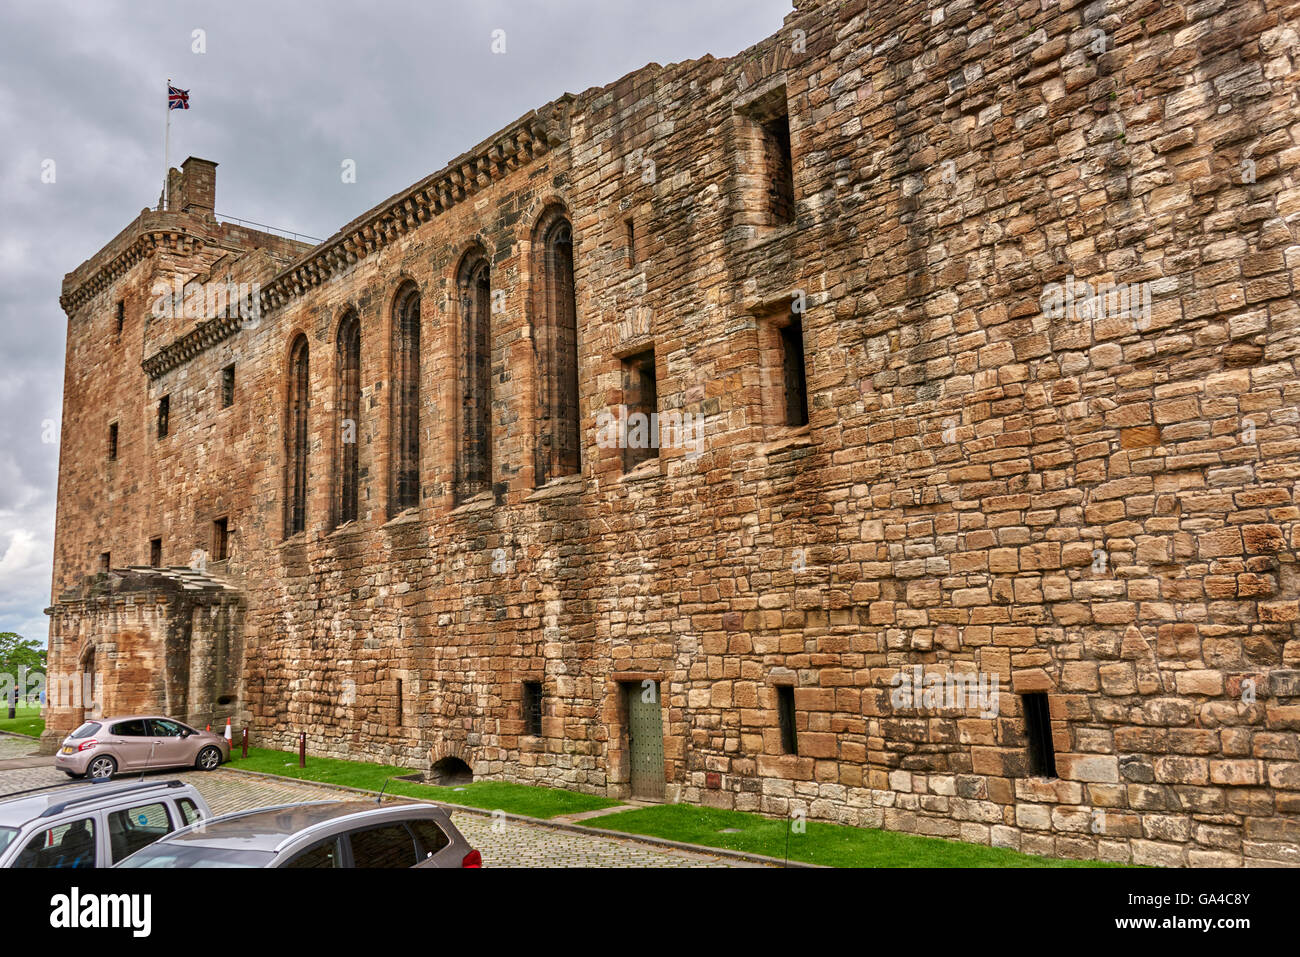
491 795
28 720
834 845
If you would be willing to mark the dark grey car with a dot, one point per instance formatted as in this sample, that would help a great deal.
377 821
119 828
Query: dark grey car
317 834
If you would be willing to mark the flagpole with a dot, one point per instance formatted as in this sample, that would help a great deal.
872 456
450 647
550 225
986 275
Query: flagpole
167 143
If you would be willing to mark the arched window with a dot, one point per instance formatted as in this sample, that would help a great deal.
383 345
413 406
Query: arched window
347 469
405 467
555 341
295 440
474 451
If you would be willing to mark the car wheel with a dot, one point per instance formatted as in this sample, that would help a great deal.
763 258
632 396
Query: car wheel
209 759
102 768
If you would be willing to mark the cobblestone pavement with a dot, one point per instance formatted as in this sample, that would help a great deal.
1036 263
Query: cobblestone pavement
503 843
15 747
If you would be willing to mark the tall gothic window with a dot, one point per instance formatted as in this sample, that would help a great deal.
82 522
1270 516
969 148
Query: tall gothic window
405 459
474 459
349 412
296 440
558 449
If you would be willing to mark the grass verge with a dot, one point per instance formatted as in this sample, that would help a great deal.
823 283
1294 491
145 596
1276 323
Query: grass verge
832 845
490 795
27 720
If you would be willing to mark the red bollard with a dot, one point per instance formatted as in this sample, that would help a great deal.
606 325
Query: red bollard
243 745
302 749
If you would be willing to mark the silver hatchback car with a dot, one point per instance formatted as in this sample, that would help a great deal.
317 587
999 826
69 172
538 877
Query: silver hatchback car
103 746
320 834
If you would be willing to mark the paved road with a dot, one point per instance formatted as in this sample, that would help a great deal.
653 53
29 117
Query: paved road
503 843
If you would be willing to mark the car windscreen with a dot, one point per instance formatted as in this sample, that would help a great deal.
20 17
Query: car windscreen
181 855
86 730
7 834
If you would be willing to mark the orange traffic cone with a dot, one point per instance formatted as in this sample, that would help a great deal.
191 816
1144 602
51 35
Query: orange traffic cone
209 727
228 735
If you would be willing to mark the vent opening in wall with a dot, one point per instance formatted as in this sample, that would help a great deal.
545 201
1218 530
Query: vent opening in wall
532 708
452 771
224 700
1038 728
785 715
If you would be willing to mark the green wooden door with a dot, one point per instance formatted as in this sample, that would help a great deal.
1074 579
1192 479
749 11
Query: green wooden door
645 741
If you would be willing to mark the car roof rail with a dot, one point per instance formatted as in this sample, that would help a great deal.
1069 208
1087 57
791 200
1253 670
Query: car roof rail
62 806
44 787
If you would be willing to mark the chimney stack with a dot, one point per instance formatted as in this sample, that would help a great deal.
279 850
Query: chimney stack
198 186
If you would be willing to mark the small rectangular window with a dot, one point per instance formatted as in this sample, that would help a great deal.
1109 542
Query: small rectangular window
121 316
105 561
221 540
155 552
1038 728
532 706
228 386
112 442
794 376
785 715
778 169
631 240
164 412
767 160
641 399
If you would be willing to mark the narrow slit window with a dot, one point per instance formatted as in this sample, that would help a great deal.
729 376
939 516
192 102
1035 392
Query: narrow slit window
474 452
112 442
785 716
793 373
164 415
400 702
641 399
221 539
630 226
349 412
121 316
155 552
228 386
296 440
1038 728
532 706
406 403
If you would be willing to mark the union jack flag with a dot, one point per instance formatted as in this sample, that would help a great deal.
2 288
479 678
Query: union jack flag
177 99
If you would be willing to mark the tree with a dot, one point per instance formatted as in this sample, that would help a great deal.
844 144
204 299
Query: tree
17 653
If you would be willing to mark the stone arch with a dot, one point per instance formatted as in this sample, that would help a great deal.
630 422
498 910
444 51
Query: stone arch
451 759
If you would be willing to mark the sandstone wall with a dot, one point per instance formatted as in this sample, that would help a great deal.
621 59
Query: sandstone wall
1100 508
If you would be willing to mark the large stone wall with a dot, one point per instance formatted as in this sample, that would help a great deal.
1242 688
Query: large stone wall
1102 508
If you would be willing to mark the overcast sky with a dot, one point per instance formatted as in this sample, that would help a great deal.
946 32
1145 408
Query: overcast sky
283 94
